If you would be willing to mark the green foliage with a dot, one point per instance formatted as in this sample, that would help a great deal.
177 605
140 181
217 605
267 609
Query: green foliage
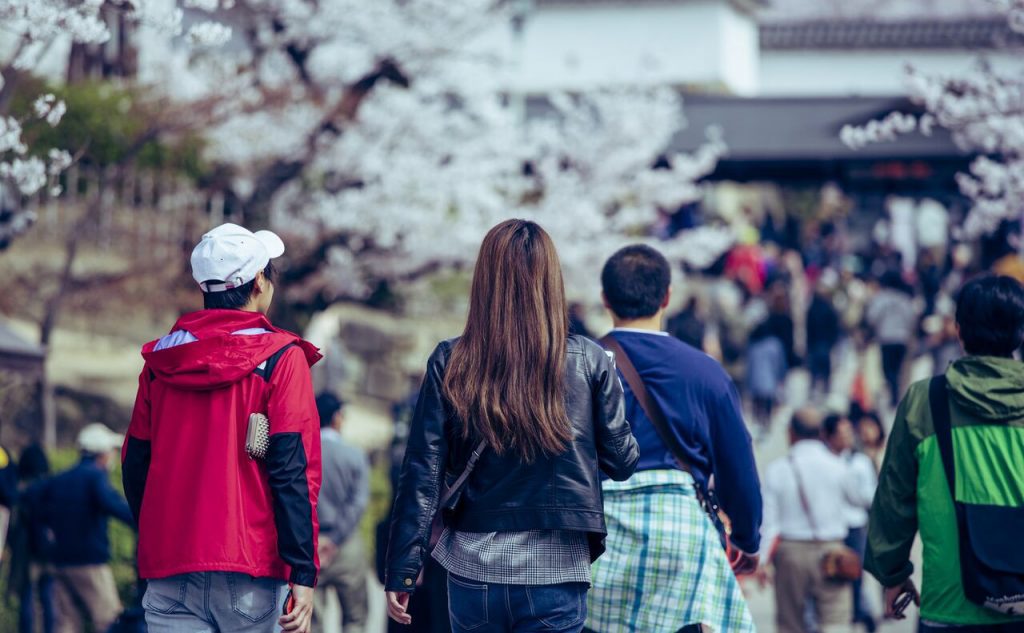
107 122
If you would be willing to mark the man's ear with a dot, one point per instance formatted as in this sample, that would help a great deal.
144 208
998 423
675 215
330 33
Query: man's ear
259 283
604 301
668 298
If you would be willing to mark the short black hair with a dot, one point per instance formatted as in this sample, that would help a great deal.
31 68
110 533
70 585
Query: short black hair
830 424
33 463
635 281
990 313
327 405
806 424
235 298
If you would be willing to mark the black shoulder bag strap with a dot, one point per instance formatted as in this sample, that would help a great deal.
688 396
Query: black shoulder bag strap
938 400
647 403
460 481
450 495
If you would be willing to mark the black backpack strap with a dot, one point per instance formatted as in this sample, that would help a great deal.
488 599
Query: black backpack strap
268 365
938 400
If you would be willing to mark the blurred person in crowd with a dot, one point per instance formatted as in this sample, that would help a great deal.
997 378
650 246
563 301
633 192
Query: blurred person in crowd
74 509
780 317
981 397
578 320
344 495
687 326
517 541
942 340
806 495
766 373
822 333
251 524
840 438
870 436
30 578
745 263
929 276
661 545
892 316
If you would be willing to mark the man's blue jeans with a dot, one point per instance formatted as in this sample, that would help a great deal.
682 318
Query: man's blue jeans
478 607
214 602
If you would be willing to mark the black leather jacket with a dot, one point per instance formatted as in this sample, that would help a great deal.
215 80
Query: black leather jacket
504 494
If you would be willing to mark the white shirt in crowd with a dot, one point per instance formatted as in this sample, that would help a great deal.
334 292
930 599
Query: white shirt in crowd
828 486
862 471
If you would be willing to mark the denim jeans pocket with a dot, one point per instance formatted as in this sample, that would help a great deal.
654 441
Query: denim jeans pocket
253 599
560 606
166 595
467 603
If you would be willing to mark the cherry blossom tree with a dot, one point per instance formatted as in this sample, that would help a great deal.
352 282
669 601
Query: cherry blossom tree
984 111
380 137
29 30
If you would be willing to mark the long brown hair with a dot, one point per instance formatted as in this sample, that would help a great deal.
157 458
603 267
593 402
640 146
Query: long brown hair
506 375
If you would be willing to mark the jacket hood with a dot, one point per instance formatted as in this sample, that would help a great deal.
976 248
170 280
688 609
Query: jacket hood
220 357
987 386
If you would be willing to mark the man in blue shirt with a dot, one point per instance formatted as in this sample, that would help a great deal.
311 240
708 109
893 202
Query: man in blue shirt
665 568
75 508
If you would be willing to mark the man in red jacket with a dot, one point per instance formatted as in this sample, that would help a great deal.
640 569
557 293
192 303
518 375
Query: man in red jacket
220 533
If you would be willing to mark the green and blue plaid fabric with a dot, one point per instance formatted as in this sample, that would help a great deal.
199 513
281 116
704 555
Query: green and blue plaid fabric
665 566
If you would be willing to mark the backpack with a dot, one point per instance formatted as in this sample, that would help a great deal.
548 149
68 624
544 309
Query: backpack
991 558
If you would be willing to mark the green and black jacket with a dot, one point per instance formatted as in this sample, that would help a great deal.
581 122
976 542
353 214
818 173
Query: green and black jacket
987 408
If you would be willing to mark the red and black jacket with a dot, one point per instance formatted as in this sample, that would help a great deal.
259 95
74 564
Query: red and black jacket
200 502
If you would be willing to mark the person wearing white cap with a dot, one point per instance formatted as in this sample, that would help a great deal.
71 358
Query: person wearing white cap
210 515
76 506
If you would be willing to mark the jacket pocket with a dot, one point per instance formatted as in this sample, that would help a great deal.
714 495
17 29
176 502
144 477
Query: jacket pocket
166 595
253 598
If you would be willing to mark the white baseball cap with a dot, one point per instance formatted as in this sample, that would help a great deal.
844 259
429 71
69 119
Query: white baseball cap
232 255
97 438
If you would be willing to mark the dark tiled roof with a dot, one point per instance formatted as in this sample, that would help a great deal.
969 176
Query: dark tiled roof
975 33
803 128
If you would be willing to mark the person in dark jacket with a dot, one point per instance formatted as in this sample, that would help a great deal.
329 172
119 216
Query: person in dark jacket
30 579
540 414
211 513
822 335
76 506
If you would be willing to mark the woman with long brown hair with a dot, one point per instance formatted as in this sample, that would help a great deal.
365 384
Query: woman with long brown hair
515 420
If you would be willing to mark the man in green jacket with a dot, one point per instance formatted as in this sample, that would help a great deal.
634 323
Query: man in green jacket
986 394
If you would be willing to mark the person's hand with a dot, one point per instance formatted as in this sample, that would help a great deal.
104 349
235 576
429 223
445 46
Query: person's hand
300 620
893 593
743 563
326 549
398 603
763 576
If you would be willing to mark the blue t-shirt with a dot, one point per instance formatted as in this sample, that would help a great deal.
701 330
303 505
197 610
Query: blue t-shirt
703 410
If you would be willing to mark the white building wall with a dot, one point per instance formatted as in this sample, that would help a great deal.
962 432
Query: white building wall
652 42
861 72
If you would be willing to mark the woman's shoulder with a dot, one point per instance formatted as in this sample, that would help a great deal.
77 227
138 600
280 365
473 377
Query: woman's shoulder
579 344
